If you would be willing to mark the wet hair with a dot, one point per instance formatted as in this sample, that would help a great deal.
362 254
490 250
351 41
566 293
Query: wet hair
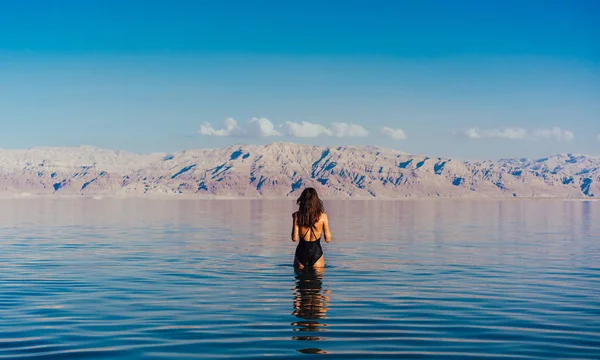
310 208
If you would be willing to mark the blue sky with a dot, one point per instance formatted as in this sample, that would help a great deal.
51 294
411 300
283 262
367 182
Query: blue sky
467 79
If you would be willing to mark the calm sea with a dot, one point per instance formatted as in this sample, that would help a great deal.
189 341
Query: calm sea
185 279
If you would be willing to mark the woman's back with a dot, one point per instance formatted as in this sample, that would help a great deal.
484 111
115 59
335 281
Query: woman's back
310 223
316 232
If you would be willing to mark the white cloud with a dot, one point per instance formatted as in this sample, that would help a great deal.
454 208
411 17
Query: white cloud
555 133
397 134
507 133
231 128
307 129
472 133
518 133
348 130
261 127
256 127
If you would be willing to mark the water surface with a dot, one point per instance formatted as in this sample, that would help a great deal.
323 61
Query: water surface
164 279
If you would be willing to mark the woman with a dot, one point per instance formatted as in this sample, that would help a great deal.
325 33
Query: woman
311 221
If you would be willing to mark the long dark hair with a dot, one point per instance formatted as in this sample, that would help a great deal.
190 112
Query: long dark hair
310 208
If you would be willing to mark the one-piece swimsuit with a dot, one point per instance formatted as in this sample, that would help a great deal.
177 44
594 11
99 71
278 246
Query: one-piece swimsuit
309 252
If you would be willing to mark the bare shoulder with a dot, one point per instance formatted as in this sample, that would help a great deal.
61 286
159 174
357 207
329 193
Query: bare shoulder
323 217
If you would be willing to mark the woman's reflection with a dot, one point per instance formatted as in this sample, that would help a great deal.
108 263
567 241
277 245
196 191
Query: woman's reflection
310 305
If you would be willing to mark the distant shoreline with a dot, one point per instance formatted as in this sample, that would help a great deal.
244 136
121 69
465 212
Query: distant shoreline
278 198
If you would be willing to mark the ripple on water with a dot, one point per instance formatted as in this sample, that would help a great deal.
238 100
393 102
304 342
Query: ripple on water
447 280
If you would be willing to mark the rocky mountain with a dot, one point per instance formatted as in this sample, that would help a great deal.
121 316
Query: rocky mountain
284 169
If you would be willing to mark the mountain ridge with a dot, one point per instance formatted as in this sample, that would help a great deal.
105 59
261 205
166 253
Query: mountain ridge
283 169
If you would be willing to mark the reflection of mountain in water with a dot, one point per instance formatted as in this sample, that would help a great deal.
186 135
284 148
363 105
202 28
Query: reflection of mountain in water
310 306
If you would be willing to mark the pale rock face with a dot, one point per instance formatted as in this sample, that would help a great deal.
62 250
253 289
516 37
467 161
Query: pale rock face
285 169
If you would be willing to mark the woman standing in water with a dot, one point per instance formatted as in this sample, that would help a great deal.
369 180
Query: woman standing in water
310 220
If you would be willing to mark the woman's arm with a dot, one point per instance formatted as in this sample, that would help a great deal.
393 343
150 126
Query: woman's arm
326 230
295 230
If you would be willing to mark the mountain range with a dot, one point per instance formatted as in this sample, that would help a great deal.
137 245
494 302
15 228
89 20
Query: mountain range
285 169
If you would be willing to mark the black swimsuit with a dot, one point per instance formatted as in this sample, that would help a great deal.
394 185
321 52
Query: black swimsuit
309 252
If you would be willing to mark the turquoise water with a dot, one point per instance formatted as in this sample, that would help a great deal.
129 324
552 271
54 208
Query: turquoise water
166 279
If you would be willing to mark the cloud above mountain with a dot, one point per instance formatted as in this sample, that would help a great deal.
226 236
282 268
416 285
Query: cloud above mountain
517 133
341 129
337 129
507 133
256 127
397 134
554 133
306 129
263 127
